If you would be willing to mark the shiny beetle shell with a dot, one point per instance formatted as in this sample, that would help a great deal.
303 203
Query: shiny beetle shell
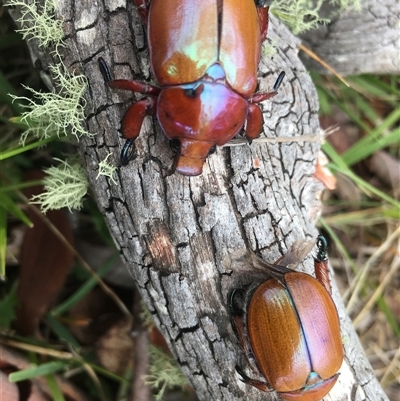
185 43
204 56
291 328
294 331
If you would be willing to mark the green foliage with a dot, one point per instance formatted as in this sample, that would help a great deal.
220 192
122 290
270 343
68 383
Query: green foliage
304 15
59 113
370 221
85 289
355 102
3 242
43 115
65 186
7 308
38 23
379 133
299 15
107 170
36 371
165 372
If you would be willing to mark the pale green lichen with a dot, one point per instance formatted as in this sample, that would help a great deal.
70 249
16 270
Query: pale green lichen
347 4
145 316
303 15
165 373
268 50
39 23
56 113
106 169
65 186
299 15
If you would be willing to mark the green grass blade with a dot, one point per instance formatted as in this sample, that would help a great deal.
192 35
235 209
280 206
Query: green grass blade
3 242
8 305
362 217
375 87
36 371
374 141
84 289
5 89
345 108
21 185
338 165
16 151
339 244
61 331
390 317
55 390
8 204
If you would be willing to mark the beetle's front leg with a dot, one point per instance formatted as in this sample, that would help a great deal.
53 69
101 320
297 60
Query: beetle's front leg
254 122
263 386
237 316
260 97
143 10
238 326
262 12
321 264
254 117
132 123
126 84
133 118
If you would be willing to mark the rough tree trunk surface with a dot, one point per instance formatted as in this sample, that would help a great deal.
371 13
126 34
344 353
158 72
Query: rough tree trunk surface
359 42
174 232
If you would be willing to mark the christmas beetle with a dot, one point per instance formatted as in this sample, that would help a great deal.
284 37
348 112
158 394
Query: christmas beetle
290 328
204 56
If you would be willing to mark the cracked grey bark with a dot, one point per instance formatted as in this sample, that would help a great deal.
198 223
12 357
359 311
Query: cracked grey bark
174 232
365 42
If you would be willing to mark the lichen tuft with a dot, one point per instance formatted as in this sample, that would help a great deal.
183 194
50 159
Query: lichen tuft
65 186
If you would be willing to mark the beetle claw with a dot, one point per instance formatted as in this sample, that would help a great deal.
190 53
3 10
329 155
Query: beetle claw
104 70
253 382
127 152
279 80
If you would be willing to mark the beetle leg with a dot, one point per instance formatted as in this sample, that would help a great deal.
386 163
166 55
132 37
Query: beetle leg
238 326
254 122
255 118
260 97
143 10
133 118
262 20
134 86
132 122
263 386
321 264
125 84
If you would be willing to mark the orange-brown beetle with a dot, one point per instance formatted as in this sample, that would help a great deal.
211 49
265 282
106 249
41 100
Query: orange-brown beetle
204 56
291 328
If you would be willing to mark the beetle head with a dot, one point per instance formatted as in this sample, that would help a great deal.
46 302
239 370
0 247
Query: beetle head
199 116
191 155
